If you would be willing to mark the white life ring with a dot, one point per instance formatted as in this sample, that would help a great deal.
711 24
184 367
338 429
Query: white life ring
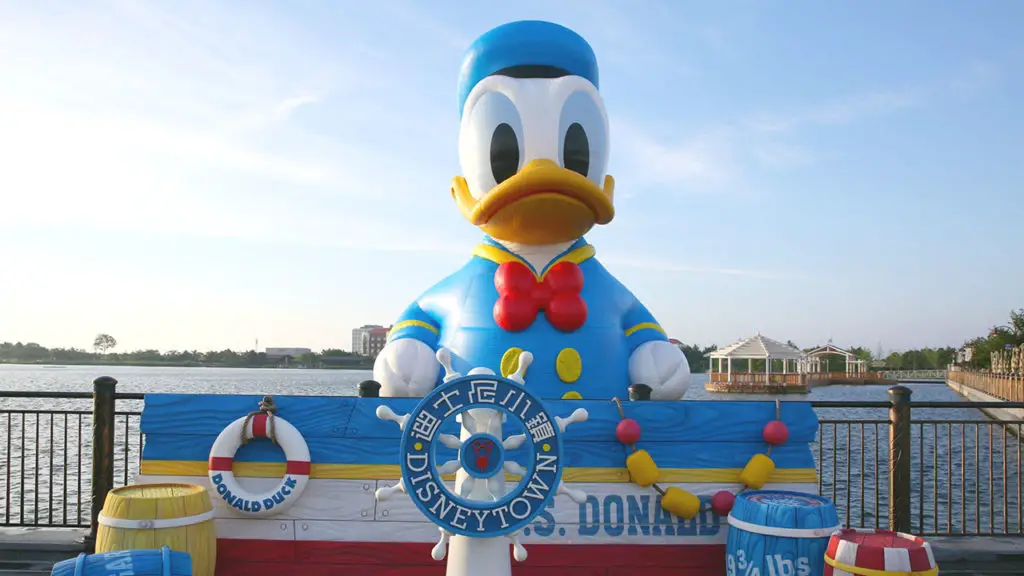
276 500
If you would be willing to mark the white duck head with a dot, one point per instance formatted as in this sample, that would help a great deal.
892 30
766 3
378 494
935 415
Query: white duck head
533 141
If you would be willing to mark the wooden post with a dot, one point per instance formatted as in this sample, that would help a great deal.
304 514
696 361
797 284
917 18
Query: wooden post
102 450
899 459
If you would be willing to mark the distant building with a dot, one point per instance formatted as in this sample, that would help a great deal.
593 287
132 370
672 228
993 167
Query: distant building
368 340
286 352
965 354
378 338
361 339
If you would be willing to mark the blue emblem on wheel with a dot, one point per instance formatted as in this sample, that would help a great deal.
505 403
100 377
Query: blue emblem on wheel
535 442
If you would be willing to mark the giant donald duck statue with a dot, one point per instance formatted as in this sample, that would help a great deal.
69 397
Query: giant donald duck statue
533 147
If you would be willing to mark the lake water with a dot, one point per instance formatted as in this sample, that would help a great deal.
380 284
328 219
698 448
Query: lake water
954 489
343 383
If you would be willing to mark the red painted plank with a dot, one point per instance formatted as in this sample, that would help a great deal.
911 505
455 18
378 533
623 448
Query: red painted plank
377 553
276 569
244 551
438 569
292 569
544 559
717 570
625 555
523 570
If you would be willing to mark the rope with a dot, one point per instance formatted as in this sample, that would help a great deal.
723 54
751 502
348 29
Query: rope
267 407
707 506
632 448
778 416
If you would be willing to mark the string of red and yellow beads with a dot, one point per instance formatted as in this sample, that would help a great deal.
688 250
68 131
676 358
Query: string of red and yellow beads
643 471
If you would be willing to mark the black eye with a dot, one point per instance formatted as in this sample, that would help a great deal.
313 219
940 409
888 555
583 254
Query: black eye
504 153
576 149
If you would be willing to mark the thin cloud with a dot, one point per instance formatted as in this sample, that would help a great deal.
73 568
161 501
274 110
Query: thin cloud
672 267
719 159
173 118
700 161
288 107
979 77
845 110
422 20
780 155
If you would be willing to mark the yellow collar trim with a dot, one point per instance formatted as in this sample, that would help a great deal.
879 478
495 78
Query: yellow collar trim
499 256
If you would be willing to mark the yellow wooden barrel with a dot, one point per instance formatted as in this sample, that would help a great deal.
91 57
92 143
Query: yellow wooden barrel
148 516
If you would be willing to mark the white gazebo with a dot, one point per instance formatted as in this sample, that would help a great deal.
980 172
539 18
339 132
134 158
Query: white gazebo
853 368
780 373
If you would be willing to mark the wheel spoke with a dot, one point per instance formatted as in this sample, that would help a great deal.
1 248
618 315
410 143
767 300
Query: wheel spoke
514 468
450 441
513 442
449 467
467 487
494 487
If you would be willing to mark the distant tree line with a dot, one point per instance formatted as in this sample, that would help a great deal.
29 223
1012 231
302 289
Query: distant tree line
32 353
695 356
1009 335
999 337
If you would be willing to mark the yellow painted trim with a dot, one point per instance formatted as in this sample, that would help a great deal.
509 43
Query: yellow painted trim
872 572
412 324
644 326
499 256
391 472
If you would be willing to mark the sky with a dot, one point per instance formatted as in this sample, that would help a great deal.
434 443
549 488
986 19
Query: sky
202 174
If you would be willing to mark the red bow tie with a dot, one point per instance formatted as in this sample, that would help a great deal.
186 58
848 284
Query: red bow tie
521 297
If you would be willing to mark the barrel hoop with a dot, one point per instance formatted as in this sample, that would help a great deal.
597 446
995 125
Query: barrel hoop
781 532
872 572
80 565
156 524
165 556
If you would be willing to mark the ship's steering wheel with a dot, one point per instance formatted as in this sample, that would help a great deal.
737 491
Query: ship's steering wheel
504 430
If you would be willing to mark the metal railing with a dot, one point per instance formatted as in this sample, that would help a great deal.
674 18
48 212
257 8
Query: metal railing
756 378
912 375
840 376
59 464
882 464
920 474
1009 387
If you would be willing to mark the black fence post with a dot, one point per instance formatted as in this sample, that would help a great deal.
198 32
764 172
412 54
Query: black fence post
899 459
103 407
640 392
369 389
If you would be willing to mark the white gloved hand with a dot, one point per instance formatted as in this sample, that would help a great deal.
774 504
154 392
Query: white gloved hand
662 366
406 368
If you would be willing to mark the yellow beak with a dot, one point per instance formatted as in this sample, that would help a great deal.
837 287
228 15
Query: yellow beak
542 203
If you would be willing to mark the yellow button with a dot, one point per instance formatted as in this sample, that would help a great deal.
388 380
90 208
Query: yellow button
510 361
572 395
569 365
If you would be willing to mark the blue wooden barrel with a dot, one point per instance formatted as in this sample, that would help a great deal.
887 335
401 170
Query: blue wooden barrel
776 532
163 562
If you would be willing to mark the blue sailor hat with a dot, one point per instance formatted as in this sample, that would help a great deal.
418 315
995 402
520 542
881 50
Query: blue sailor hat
532 43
